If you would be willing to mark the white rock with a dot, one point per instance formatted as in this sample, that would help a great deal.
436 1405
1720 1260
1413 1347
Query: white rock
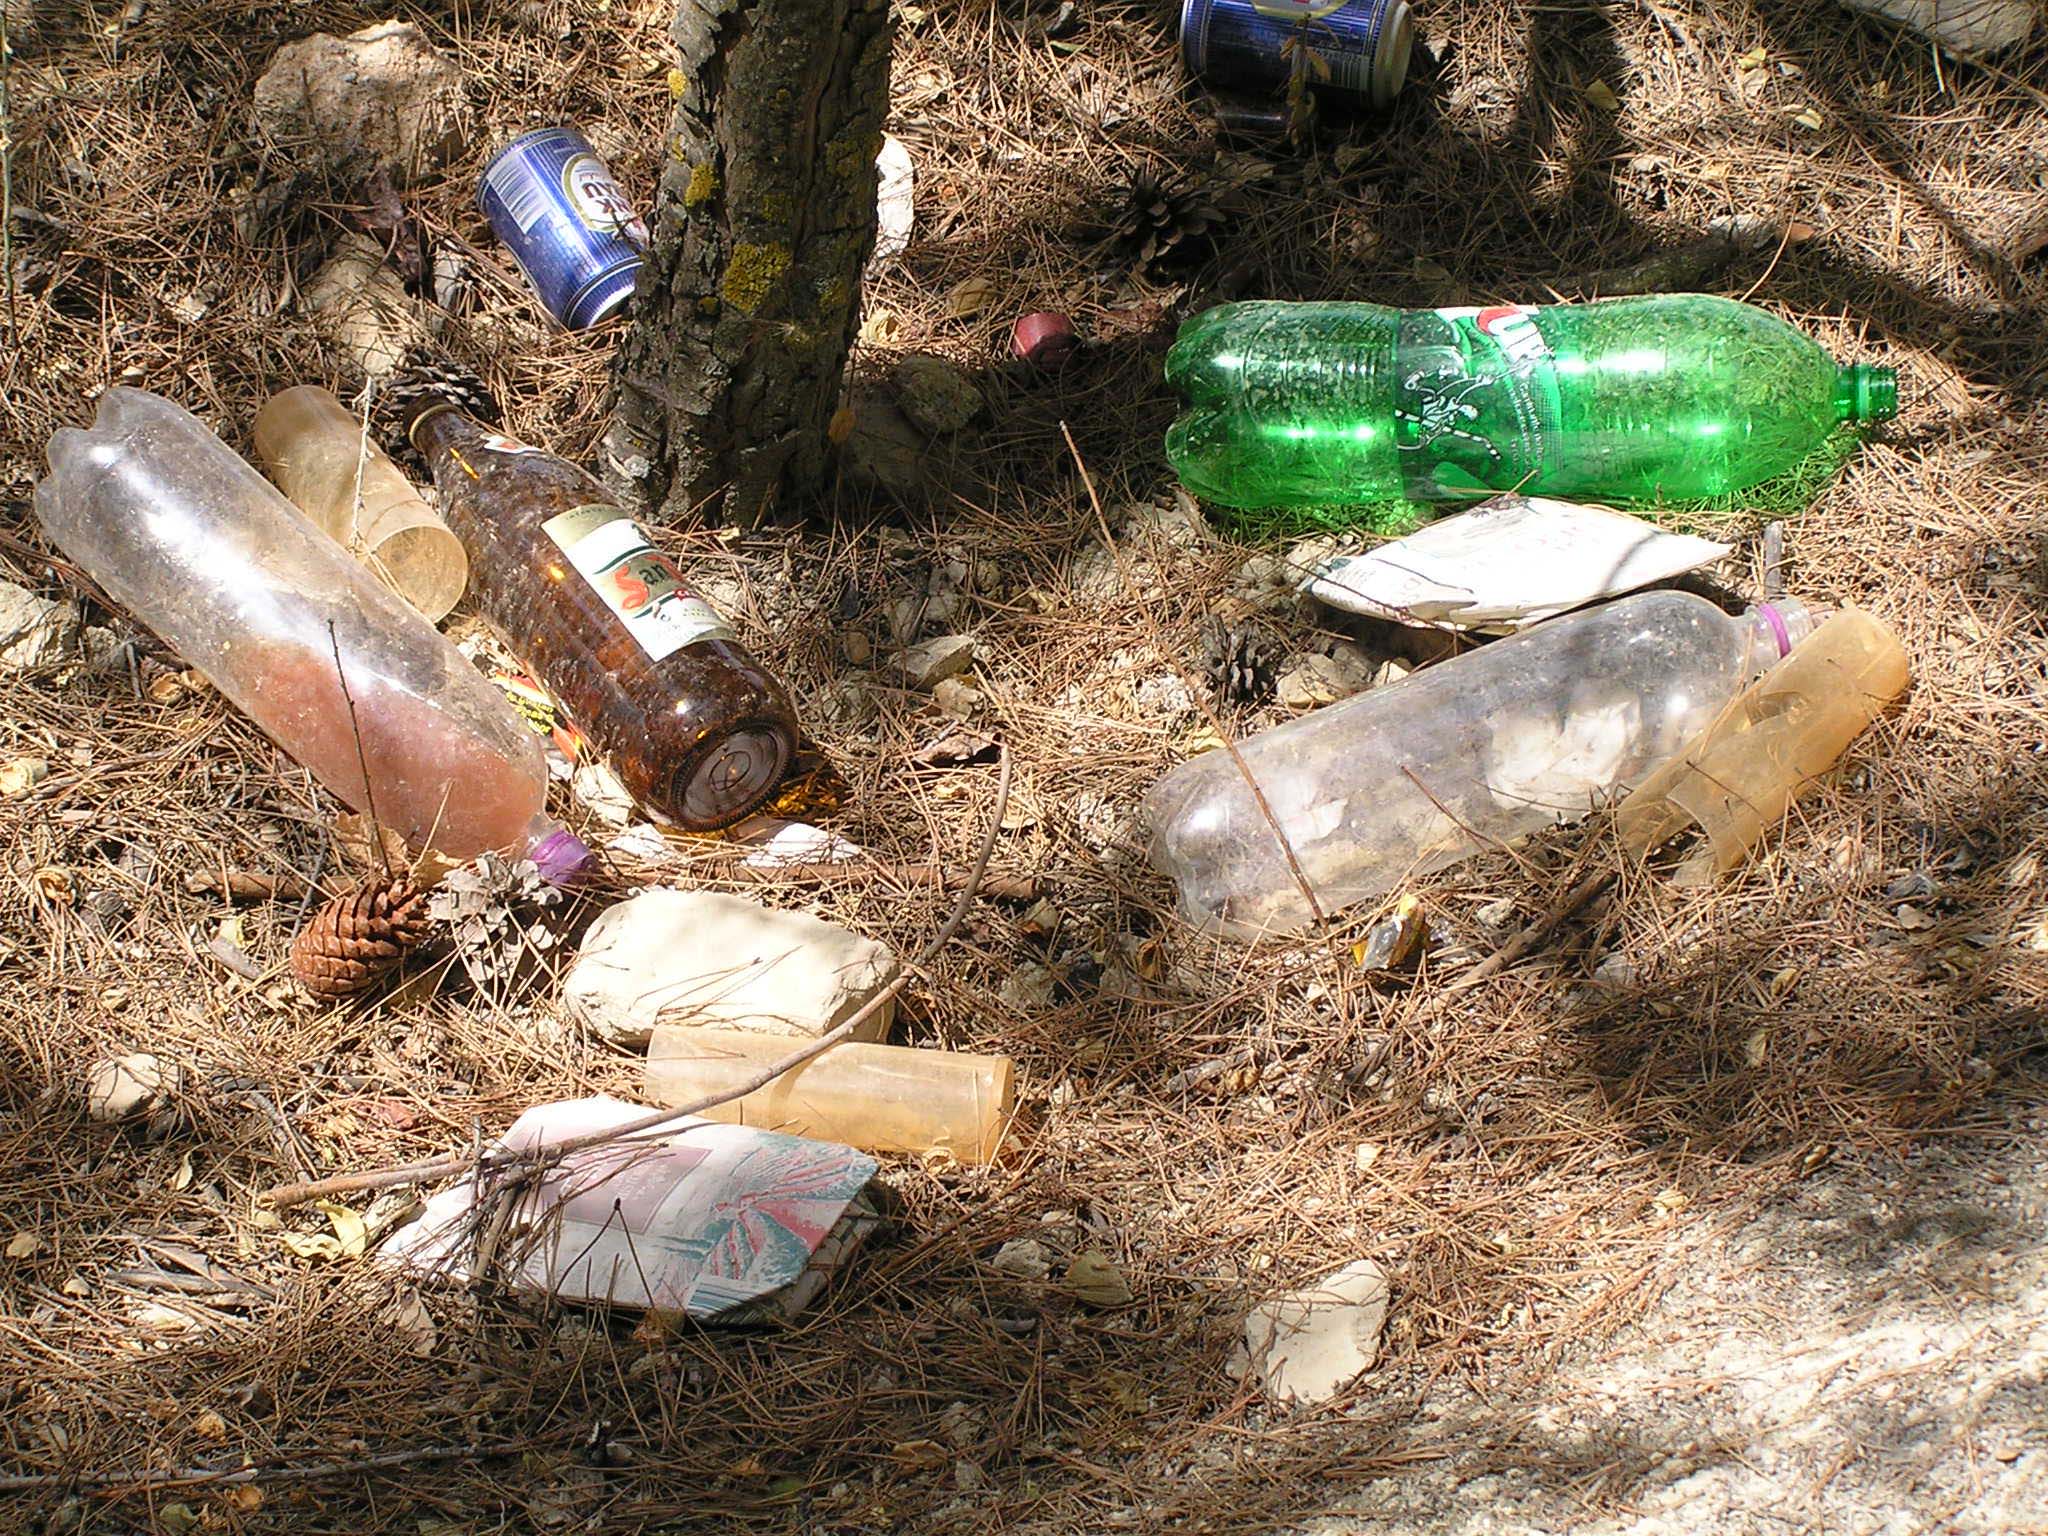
1316 679
699 957
121 1086
1307 1346
34 631
1023 1257
363 306
342 108
933 661
957 698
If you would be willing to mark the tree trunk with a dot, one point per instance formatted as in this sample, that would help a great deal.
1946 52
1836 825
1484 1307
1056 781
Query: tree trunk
733 364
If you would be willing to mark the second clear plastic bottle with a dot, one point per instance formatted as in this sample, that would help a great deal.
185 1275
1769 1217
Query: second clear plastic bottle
1488 746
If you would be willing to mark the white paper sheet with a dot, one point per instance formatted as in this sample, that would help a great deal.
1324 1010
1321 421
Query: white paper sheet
1506 564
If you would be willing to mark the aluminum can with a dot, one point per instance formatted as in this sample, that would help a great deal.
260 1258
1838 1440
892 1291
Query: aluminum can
1360 47
568 224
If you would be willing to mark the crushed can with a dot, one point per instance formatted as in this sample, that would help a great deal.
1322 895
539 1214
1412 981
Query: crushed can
1359 47
570 226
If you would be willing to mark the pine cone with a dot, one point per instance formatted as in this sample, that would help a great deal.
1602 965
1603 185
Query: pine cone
1243 662
427 375
359 937
1165 227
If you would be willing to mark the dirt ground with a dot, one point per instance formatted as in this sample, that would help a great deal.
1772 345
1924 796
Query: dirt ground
1746 1236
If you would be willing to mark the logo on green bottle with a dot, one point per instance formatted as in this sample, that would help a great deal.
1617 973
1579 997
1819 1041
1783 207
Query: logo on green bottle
1477 400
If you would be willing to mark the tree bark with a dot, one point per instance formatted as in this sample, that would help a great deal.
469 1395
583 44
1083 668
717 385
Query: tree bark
765 217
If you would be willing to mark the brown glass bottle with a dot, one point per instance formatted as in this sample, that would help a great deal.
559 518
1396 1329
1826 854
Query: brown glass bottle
694 728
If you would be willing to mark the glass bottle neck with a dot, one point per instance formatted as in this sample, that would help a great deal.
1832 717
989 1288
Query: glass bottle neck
440 425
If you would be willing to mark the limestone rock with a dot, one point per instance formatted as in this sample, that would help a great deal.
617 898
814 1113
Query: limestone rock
883 452
1316 679
935 395
723 962
931 662
1308 1345
34 631
380 100
122 1086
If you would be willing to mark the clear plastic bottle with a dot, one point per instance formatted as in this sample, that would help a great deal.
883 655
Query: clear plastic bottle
880 1098
202 549
316 452
1502 741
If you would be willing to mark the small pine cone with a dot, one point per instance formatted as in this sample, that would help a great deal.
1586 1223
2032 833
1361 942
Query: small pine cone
1242 662
427 375
359 937
1167 227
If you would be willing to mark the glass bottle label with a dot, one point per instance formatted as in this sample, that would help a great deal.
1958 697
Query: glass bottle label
1476 401
635 580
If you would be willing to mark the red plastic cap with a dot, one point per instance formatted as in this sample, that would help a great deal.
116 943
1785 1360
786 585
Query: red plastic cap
1044 339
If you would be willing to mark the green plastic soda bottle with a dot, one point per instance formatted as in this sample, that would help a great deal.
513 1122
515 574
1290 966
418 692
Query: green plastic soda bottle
1668 397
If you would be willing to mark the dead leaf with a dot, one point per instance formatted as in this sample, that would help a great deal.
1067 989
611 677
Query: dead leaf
181 1178
840 427
1756 1047
1601 95
54 886
956 748
174 687
352 844
244 1498
1714 170
176 1518
409 1318
1756 58
21 775
349 1230
1798 232
24 1245
921 1454
210 1425
1809 117
1095 1281
1364 1155
1913 919
1202 738
310 1245
881 328
1671 1201
969 297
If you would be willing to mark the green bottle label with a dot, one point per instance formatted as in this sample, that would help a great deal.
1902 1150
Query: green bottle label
1475 404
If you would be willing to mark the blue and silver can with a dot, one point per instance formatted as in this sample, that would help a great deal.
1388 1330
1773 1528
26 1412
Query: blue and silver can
570 225
1357 46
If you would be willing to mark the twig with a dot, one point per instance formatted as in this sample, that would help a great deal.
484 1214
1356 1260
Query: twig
7 183
996 885
1576 900
362 757
245 885
494 1161
140 1482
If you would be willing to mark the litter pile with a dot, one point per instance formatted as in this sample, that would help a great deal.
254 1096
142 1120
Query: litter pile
1569 652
